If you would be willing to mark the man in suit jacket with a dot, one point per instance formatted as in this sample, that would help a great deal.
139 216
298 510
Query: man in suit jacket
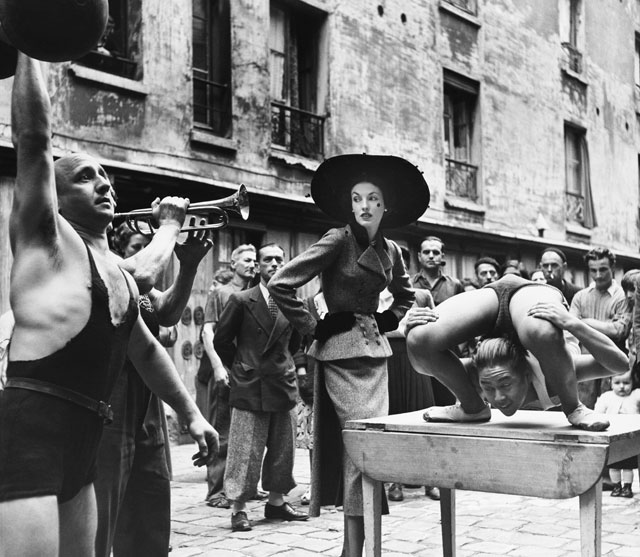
255 342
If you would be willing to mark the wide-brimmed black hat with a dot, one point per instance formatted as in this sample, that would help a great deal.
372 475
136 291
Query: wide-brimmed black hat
405 190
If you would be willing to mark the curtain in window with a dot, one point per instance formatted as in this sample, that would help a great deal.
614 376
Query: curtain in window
277 44
590 220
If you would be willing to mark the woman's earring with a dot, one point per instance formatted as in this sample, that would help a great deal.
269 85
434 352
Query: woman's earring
386 210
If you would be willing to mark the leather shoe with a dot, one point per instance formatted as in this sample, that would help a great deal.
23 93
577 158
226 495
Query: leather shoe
432 492
284 511
626 491
240 522
395 492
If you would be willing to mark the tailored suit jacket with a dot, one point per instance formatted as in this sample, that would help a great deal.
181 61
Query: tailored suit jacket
258 353
353 272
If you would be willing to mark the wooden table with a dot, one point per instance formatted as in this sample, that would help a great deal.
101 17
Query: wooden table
531 453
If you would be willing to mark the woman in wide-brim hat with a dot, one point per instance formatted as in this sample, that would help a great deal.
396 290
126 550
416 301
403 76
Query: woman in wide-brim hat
355 263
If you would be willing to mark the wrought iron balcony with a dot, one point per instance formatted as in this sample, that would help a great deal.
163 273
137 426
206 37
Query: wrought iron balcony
298 131
467 5
462 179
574 207
574 57
211 103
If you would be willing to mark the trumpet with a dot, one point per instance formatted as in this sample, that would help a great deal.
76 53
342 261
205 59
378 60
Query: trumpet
205 215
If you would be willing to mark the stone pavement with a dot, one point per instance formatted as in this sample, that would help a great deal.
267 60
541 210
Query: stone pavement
486 524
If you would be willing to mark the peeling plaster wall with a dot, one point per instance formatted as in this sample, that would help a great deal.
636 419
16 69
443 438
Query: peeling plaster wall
382 92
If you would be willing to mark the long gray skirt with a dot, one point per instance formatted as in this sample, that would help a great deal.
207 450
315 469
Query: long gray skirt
358 389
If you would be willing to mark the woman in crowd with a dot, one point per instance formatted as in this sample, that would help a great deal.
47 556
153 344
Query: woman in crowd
355 263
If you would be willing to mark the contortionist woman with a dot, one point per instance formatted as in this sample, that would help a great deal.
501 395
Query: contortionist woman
355 263
526 355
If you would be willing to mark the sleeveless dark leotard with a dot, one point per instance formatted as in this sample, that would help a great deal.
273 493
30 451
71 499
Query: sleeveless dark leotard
47 444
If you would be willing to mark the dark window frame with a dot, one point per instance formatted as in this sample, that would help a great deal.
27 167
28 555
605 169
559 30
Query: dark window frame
460 101
211 66
296 125
119 52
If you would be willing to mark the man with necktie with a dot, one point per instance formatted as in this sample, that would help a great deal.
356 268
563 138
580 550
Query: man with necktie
256 343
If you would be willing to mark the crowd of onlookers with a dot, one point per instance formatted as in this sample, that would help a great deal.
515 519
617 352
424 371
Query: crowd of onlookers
604 304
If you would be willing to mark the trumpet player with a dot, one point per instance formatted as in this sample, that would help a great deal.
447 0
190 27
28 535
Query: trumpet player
76 317
133 483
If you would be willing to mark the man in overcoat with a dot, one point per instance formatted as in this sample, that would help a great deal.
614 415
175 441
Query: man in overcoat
256 343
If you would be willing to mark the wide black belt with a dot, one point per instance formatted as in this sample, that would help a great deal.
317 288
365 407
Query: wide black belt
103 409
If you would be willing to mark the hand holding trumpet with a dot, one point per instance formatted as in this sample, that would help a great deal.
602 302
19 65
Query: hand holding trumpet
170 210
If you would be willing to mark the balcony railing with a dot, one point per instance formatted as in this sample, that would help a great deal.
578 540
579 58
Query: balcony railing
574 57
298 131
574 207
211 106
466 5
462 179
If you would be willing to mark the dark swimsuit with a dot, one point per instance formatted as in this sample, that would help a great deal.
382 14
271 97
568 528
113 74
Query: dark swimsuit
505 288
48 445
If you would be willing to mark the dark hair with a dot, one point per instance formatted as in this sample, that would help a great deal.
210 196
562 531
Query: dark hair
500 351
556 251
119 238
488 261
270 245
516 264
600 253
629 280
388 195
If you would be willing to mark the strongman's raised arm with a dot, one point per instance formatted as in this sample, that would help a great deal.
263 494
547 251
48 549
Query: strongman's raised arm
75 313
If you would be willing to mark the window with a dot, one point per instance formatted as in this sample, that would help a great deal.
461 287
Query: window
212 66
636 65
469 6
571 33
460 99
294 42
578 199
118 51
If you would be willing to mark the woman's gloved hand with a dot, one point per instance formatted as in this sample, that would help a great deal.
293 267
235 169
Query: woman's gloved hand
387 321
334 323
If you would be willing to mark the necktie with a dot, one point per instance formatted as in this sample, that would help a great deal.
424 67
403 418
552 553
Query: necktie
273 308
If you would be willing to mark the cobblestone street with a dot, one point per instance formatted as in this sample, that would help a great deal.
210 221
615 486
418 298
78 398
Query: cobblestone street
487 524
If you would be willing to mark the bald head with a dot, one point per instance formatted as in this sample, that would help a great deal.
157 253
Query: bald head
66 167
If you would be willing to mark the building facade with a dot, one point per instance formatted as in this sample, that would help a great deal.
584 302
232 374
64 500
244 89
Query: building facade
523 117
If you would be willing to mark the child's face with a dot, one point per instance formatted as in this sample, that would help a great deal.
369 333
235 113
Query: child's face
621 384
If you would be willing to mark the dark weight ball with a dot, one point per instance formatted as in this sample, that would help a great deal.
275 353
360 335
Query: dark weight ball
54 30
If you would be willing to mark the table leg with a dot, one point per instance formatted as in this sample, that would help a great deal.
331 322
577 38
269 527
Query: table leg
448 521
591 521
372 509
